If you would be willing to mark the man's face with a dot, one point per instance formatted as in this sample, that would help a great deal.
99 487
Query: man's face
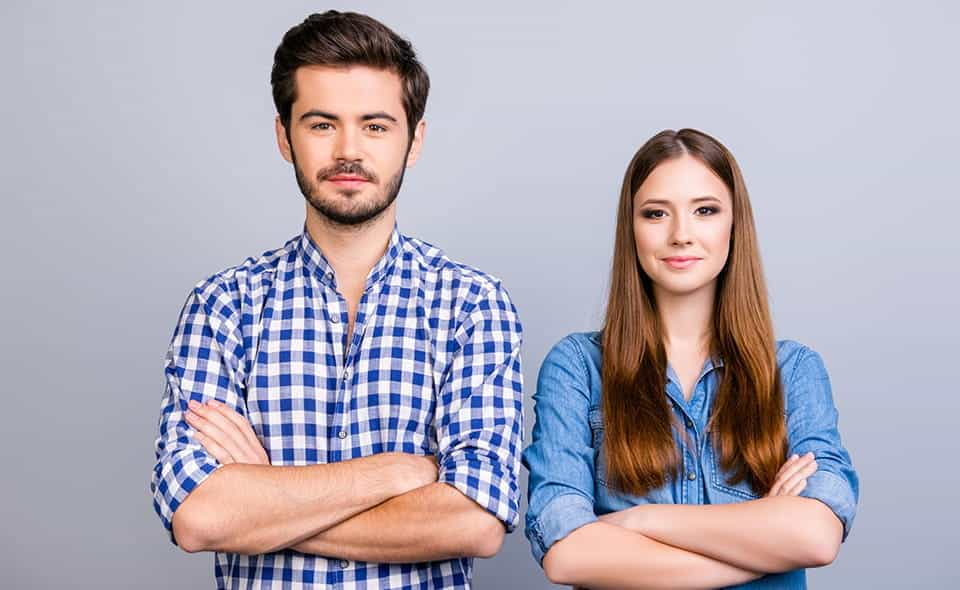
348 141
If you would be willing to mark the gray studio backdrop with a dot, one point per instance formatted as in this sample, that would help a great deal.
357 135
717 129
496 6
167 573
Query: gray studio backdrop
138 157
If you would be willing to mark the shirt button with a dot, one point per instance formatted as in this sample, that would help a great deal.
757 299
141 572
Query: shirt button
342 434
335 319
344 563
346 374
691 476
329 276
689 423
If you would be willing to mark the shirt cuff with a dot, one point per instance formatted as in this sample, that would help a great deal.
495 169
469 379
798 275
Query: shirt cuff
834 491
560 517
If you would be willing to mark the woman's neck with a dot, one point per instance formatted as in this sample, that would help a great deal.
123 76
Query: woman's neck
687 320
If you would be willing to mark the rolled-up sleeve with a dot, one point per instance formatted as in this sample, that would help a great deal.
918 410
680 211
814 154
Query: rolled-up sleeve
560 457
812 426
479 414
201 364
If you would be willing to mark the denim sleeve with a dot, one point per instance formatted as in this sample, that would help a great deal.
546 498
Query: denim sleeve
560 457
812 427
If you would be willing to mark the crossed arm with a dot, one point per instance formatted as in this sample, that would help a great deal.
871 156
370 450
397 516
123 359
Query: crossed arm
384 508
666 545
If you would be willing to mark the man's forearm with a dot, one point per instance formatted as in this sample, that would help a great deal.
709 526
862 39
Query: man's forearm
429 523
768 535
601 555
254 509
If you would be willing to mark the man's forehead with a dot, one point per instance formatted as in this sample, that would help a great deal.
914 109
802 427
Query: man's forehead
349 90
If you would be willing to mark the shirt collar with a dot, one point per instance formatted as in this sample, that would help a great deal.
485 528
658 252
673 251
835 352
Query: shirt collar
317 265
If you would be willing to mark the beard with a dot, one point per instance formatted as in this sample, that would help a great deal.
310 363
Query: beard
345 207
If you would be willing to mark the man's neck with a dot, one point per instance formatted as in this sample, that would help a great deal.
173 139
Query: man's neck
352 251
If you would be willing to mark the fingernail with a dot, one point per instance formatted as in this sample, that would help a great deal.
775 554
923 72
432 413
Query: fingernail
193 404
793 456
213 403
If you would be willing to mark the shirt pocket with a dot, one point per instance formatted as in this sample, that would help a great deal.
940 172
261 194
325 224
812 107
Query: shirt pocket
723 491
610 499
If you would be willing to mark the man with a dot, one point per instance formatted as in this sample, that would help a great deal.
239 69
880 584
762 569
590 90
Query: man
344 411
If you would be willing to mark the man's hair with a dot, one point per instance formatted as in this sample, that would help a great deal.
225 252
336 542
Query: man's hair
343 39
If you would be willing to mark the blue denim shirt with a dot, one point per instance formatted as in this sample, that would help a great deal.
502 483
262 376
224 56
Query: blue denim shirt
568 481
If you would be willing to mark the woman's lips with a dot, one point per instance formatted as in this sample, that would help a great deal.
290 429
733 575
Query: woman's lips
681 262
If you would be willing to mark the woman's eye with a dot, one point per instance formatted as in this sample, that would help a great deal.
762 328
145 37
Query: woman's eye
654 213
707 210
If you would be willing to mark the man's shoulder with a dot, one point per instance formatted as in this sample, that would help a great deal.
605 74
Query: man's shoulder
436 266
248 277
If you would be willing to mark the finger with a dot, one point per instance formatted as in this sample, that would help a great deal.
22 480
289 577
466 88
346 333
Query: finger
212 431
235 442
797 477
789 471
793 458
242 424
218 452
795 490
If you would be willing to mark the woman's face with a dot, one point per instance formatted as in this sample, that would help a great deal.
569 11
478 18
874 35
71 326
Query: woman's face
683 216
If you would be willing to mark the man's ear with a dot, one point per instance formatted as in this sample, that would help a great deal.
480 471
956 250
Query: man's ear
417 143
282 142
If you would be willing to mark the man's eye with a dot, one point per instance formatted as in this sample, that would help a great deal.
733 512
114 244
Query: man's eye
654 213
376 128
322 126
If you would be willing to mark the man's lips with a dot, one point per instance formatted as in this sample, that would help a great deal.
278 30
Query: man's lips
681 261
347 180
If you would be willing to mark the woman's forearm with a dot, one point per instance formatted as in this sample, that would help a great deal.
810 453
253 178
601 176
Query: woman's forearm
769 535
601 555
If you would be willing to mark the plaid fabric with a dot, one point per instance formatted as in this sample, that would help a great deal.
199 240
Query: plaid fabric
433 367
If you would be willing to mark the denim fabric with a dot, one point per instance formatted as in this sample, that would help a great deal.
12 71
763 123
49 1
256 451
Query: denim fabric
568 481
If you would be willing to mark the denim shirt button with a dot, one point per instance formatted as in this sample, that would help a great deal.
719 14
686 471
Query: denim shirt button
691 476
689 423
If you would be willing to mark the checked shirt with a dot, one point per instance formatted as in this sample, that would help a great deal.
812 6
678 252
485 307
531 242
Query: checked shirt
432 367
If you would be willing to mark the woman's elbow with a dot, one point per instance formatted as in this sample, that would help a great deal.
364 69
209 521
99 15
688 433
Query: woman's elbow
558 566
824 535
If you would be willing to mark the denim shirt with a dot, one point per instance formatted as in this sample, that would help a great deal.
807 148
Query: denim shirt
566 459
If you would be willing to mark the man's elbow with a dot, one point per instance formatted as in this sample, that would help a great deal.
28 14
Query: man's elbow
188 531
488 538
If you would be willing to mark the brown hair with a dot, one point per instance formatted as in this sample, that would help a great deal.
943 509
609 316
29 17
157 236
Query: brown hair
342 39
747 423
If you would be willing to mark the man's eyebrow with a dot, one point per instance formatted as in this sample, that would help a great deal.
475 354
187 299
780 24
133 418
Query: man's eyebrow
332 117
378 115
316 113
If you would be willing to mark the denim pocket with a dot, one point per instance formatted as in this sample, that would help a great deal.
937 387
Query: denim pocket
719 481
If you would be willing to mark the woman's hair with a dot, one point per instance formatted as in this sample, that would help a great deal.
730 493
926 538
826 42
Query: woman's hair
747 424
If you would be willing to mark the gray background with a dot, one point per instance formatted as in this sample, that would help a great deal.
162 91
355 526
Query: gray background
138 157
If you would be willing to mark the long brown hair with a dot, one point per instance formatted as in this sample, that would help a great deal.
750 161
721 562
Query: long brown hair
747 422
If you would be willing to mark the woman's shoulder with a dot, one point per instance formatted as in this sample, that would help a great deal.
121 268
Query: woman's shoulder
577 348
802 373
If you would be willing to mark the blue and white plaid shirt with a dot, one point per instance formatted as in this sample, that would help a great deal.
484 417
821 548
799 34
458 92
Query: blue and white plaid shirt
433 367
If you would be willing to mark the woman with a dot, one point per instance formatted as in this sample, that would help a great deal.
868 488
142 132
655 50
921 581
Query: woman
709 451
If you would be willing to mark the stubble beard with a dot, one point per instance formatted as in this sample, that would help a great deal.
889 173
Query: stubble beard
352 214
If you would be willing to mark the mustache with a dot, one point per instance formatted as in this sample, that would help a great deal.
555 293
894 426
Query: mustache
348 168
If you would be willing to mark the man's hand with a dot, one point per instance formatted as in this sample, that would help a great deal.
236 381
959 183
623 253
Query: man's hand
225 434
792 477
230 438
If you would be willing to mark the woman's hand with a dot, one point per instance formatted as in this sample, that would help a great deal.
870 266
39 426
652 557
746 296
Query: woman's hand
792 477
